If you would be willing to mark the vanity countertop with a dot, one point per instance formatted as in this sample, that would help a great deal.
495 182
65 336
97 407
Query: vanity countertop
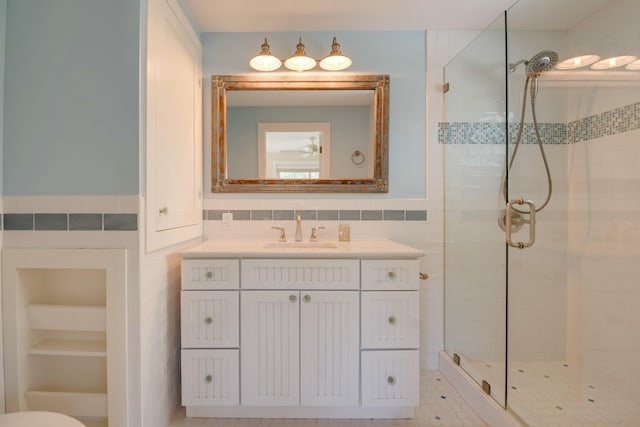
265 249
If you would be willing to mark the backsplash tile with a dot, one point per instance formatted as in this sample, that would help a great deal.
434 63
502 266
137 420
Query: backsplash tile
261 215
306 215
320 215
283 215
393 215
51 222
416 215
214 215
371 215
349 215
328 215
241 215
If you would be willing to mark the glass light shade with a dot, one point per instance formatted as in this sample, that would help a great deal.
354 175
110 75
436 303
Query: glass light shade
300 61
577 62
264 61
635 65
613 62
335 61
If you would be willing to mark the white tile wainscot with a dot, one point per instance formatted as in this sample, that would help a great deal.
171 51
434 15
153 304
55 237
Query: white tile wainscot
307 332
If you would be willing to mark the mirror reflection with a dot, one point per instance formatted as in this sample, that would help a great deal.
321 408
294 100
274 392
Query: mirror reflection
300 133
296 128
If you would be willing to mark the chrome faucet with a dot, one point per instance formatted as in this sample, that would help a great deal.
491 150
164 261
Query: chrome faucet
298 229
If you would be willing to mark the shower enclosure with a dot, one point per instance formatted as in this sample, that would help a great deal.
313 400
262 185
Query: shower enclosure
547 327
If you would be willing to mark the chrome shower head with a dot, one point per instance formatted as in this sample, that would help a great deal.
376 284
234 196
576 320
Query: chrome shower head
541 62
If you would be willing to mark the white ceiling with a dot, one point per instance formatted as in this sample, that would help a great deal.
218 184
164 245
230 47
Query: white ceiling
355 15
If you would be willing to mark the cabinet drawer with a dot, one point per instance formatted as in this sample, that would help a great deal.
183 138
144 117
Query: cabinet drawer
210 377
209 319
390 378
390 274
390 319
210 274
315 274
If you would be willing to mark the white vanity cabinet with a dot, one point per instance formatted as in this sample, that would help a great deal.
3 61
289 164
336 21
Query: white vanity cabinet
390 338
209 304
300 348
321 333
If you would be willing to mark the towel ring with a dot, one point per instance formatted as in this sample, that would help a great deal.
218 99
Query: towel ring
357 158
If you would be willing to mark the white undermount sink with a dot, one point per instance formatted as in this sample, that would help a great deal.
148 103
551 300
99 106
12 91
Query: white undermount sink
305 245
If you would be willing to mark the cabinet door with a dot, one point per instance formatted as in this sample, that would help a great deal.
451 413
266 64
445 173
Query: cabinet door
209 319
210 377
174 127
329 348
390 319
270 342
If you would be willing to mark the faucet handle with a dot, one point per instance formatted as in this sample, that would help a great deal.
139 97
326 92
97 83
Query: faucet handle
283 237
314 233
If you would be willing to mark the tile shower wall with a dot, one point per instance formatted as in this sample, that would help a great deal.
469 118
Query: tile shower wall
604 210
538 282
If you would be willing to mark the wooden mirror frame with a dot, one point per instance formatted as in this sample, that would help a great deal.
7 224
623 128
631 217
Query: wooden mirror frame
378 84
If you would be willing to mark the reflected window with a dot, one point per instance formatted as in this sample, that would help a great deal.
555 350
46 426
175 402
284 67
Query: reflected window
294 150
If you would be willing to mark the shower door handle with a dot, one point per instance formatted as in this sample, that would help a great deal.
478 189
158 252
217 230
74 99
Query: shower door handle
531 221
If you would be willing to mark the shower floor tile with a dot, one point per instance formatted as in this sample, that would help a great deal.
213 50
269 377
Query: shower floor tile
555 394
440 405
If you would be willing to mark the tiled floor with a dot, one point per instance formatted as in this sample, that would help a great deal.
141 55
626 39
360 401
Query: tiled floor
440 405
556 394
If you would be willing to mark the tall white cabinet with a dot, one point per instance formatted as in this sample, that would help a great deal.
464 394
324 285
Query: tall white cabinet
65 333
173 184
316 334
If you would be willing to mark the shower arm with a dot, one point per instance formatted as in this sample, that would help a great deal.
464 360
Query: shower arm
512 66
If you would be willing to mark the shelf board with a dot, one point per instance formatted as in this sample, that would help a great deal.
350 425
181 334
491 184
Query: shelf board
67 317
72 404
54 347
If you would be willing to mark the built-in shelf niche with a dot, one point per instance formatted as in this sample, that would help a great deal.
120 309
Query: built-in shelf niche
65 332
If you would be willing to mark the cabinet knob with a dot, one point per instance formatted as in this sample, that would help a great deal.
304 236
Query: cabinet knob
293 298
164 210
208 320
209 274
208 379
391 275
391 380
392 320
307 298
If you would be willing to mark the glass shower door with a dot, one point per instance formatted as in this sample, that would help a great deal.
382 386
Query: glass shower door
474 134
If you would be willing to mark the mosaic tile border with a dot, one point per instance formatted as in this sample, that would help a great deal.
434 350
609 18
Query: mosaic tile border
69 222
608 123
318 215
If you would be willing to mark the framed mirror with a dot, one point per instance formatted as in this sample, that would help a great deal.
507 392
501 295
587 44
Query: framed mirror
300 133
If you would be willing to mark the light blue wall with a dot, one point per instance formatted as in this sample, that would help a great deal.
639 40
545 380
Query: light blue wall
3 32
399 54
71 97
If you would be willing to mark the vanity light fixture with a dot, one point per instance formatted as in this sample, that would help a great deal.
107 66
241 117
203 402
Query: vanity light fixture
577 62
264 61
613 62
635 65
335 61
300 61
